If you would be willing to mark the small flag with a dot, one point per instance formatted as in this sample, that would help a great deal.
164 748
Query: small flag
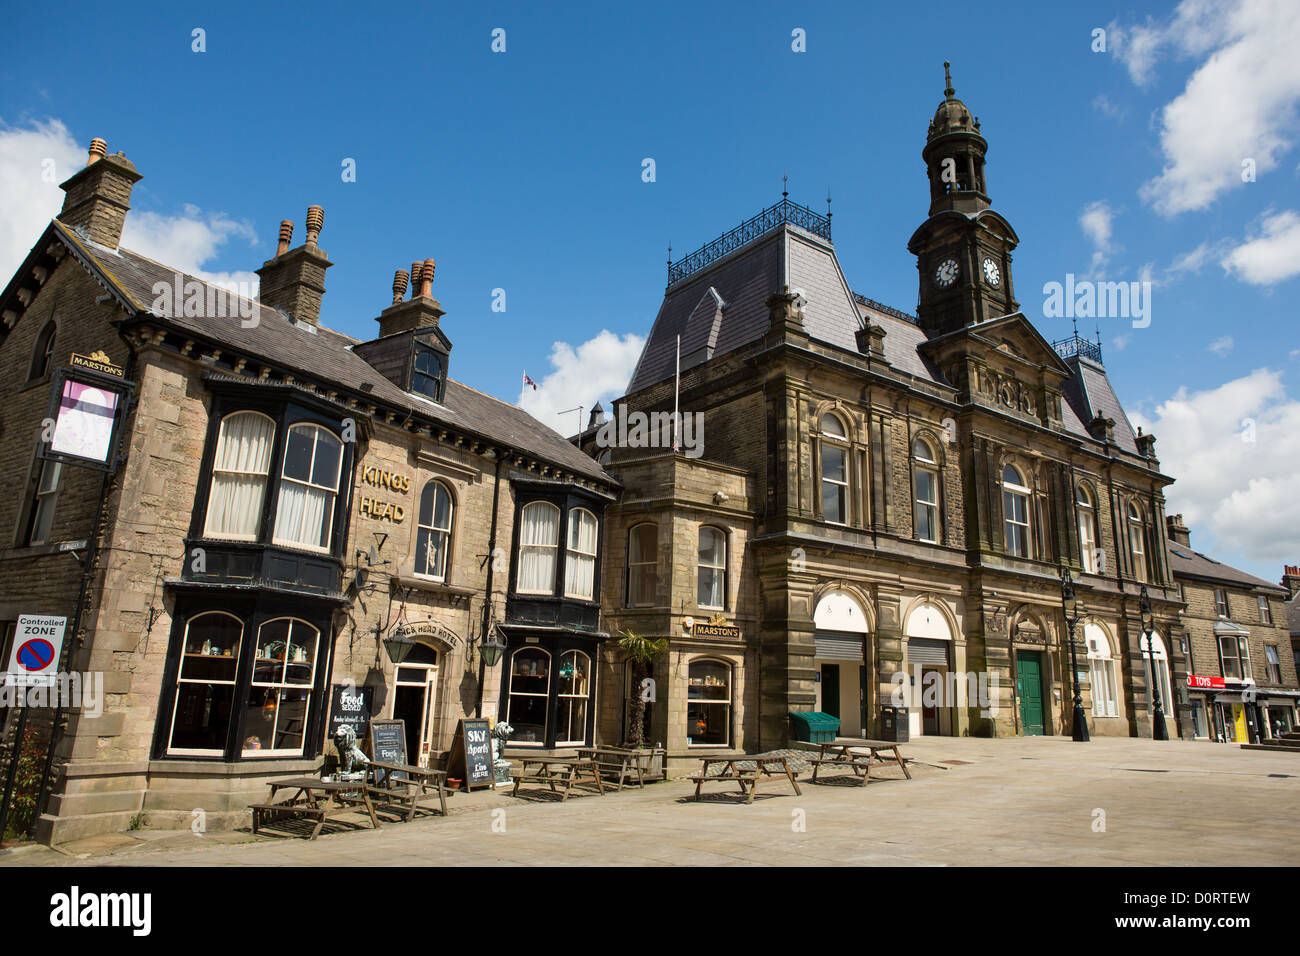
529 381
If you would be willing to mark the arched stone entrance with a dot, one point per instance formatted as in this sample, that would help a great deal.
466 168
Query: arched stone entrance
842 636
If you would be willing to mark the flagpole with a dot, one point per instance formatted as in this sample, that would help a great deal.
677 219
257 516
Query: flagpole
677 386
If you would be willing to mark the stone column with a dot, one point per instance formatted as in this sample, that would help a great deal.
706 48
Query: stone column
889 650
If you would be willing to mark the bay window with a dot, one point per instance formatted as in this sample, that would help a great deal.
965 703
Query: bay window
529 692
1234 653
309 484
580 557
433 531
574 694
284 671
239 472
539 540
205 685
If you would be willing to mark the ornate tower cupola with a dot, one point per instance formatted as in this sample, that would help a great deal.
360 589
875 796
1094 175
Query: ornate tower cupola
954 156
963 250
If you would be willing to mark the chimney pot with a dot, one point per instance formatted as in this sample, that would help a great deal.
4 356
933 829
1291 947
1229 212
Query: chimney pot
426 279
98 148
315 220
416 268
399 285
286 236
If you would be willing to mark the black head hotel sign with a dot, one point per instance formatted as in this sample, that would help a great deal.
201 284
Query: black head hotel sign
374 507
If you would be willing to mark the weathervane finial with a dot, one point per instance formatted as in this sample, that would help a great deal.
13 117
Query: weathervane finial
947 80
785 182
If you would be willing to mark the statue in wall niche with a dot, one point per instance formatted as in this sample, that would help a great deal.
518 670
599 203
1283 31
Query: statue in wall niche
350 755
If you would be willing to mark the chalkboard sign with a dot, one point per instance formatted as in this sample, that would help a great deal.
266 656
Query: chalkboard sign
388 743
351 705
471 755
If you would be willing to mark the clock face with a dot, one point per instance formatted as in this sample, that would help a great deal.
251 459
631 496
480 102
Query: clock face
991 272
946 274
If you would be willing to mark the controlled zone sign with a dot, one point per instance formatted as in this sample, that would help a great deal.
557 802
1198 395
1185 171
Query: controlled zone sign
37 648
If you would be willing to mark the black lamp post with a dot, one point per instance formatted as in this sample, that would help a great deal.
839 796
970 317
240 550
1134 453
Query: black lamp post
1070 605
1158 731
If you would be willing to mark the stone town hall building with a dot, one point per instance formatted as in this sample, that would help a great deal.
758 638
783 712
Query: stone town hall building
877 492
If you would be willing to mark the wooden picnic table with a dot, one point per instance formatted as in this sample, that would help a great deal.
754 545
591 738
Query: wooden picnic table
623 764
339 796
846 750
764 766
567 771
406 792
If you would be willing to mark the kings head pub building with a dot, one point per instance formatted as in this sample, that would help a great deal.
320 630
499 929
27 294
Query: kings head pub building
238 510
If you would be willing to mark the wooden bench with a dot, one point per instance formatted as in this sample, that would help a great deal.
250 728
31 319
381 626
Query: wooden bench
845 752
748 778
623 764
566 771
406 791
339 797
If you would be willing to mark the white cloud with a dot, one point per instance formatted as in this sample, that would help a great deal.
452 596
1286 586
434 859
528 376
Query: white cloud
1191 261
1244 493
188 240
597 370
1272 256
1096 221
1239 104
1119 342
1103 105
1220 346
34 159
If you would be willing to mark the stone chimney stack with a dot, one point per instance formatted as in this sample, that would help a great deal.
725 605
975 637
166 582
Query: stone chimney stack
1291 579
420 311
1177 530
99 195
294 280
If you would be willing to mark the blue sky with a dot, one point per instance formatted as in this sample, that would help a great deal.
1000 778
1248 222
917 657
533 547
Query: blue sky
522 171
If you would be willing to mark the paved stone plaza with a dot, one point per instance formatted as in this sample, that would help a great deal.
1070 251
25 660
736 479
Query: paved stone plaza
1000 802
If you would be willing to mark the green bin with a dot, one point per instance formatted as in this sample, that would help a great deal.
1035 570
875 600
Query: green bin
814 726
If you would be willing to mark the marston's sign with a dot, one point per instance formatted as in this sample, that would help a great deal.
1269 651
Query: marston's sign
98 362
1210 683
715 630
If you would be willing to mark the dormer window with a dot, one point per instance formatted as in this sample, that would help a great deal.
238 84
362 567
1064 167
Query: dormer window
428 372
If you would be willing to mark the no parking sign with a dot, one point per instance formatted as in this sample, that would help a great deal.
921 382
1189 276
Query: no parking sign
38 643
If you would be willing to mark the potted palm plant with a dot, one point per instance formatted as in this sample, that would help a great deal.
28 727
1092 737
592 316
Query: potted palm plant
641 653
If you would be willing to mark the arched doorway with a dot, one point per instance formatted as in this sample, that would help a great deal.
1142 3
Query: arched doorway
415 695
840 636
929 663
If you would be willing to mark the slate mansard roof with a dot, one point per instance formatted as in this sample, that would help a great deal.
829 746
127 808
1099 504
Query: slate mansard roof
323 356
721 307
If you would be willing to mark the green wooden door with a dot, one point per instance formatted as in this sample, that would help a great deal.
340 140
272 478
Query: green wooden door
1029 686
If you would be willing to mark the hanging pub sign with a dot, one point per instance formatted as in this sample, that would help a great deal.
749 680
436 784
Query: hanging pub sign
87 406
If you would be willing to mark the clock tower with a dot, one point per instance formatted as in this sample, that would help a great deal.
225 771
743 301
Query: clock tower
964 249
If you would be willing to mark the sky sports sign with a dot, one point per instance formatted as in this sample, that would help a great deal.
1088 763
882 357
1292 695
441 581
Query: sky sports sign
87 406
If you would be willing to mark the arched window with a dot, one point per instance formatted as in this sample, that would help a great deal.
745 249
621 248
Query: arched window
43 351
539 540
708 704
574 695
1015 512
433 537
712 568
205 685
284 670
1162 671
1101 667
642 565
925 491
239 470
1087 529
309 485
530 687
580 561
1137 537
835 471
